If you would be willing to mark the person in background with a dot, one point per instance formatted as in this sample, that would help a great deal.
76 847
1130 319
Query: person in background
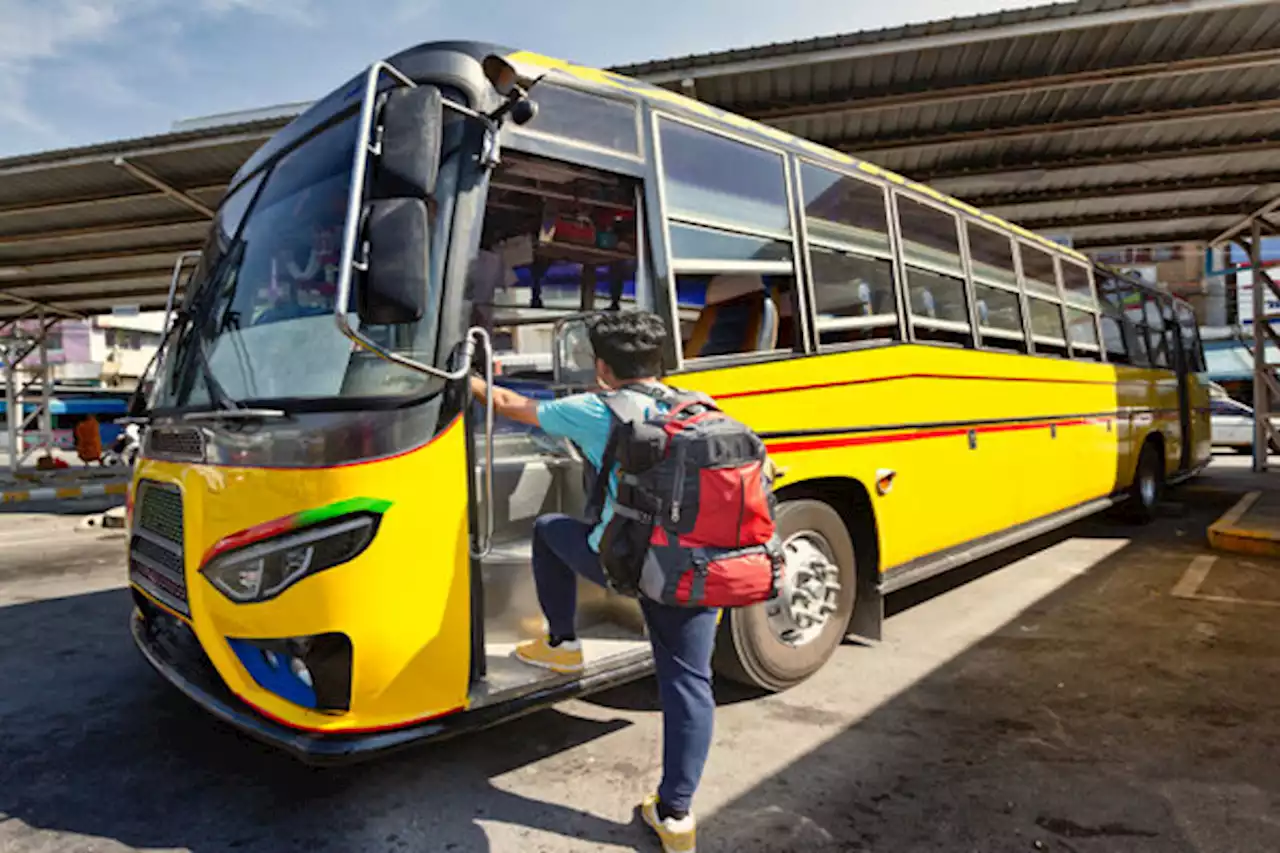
628 350
88 438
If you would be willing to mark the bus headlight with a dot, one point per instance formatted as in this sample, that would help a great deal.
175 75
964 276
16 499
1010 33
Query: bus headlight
263 569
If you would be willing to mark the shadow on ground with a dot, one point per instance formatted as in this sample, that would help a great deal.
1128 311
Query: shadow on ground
1108 717
95 744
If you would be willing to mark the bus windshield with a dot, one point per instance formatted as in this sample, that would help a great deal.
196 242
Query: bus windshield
262 314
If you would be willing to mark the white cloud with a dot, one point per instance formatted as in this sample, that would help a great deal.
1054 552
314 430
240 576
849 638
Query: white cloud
304 12
36 30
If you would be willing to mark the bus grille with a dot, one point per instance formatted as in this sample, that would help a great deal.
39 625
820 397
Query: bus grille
155 551
184 444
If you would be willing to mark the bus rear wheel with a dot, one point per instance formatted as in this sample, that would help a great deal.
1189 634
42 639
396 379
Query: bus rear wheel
1148 484
778 644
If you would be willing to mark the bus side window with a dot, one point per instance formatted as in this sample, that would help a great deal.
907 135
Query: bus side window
995 289
1190 339
939 308
730 243
1044 301
1129 299
1159 333
850 258
1080 306
1113 340
736 314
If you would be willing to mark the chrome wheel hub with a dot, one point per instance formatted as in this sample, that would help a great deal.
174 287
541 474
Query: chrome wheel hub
1147 486
808 593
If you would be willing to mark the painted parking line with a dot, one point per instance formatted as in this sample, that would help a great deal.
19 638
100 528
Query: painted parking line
1194 576
1188 586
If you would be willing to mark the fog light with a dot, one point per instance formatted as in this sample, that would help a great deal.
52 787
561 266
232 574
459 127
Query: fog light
313 672
300 671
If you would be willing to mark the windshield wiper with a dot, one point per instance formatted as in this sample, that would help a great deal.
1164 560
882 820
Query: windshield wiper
240 413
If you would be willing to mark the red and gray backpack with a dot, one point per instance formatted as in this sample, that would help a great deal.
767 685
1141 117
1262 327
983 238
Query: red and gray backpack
693 518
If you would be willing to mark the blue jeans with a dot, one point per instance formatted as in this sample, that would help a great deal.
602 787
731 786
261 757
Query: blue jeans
682 639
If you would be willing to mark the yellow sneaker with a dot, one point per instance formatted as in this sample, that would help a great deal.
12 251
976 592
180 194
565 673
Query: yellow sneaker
565 658
677 836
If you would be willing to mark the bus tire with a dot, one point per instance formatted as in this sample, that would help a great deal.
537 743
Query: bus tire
750 645
1148 485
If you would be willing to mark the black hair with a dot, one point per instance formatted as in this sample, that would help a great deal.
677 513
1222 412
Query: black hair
629 342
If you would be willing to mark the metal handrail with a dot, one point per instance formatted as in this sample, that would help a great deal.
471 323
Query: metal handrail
474 335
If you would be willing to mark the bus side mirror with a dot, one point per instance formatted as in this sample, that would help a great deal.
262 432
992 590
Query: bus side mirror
394 286
408 161
573 361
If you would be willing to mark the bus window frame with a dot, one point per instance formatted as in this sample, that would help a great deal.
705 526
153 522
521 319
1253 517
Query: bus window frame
1181 308
1095 352
564 82
1150 297
1138 330
1014 288
892 255
1064 342
665 264
905 285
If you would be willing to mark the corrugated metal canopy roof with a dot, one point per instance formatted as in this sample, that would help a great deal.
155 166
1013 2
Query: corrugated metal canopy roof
1118 122
89 228
1115 121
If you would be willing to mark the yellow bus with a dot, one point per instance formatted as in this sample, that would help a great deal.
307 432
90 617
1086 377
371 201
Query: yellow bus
330 540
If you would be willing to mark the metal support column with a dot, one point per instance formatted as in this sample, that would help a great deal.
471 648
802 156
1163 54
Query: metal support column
20 388
1266 384
46 387
12 411
1261 404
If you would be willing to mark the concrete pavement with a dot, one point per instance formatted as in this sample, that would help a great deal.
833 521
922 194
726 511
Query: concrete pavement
1061 697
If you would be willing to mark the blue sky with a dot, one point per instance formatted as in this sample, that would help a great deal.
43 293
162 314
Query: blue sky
75 72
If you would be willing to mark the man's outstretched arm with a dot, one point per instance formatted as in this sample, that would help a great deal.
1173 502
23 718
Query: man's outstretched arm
507 403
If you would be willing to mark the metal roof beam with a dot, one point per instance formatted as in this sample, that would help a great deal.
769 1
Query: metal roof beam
27 284
91 202
169 190
1048 25
942 93
34 303
1040 129
1105 158
1246 221
8 324
1176 238
167 250
78 307
51 161
1168 214
991 201
112 230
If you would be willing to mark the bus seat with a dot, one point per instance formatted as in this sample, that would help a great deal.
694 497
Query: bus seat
926 305
866 299
737 316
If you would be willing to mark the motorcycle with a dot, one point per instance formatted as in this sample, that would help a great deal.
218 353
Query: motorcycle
124 450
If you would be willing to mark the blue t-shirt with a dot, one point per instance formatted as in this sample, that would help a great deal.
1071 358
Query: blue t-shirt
585 420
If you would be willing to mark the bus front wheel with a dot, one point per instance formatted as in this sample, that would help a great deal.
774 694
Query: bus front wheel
778 644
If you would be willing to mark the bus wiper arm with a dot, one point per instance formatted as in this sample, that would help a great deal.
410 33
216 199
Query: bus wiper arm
237 414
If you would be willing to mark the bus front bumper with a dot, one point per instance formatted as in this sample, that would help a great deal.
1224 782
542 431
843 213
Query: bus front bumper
173 651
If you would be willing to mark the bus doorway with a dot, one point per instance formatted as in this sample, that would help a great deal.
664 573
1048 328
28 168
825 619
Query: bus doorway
558 240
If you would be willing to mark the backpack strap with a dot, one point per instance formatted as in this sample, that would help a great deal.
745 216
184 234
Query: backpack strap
621 410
